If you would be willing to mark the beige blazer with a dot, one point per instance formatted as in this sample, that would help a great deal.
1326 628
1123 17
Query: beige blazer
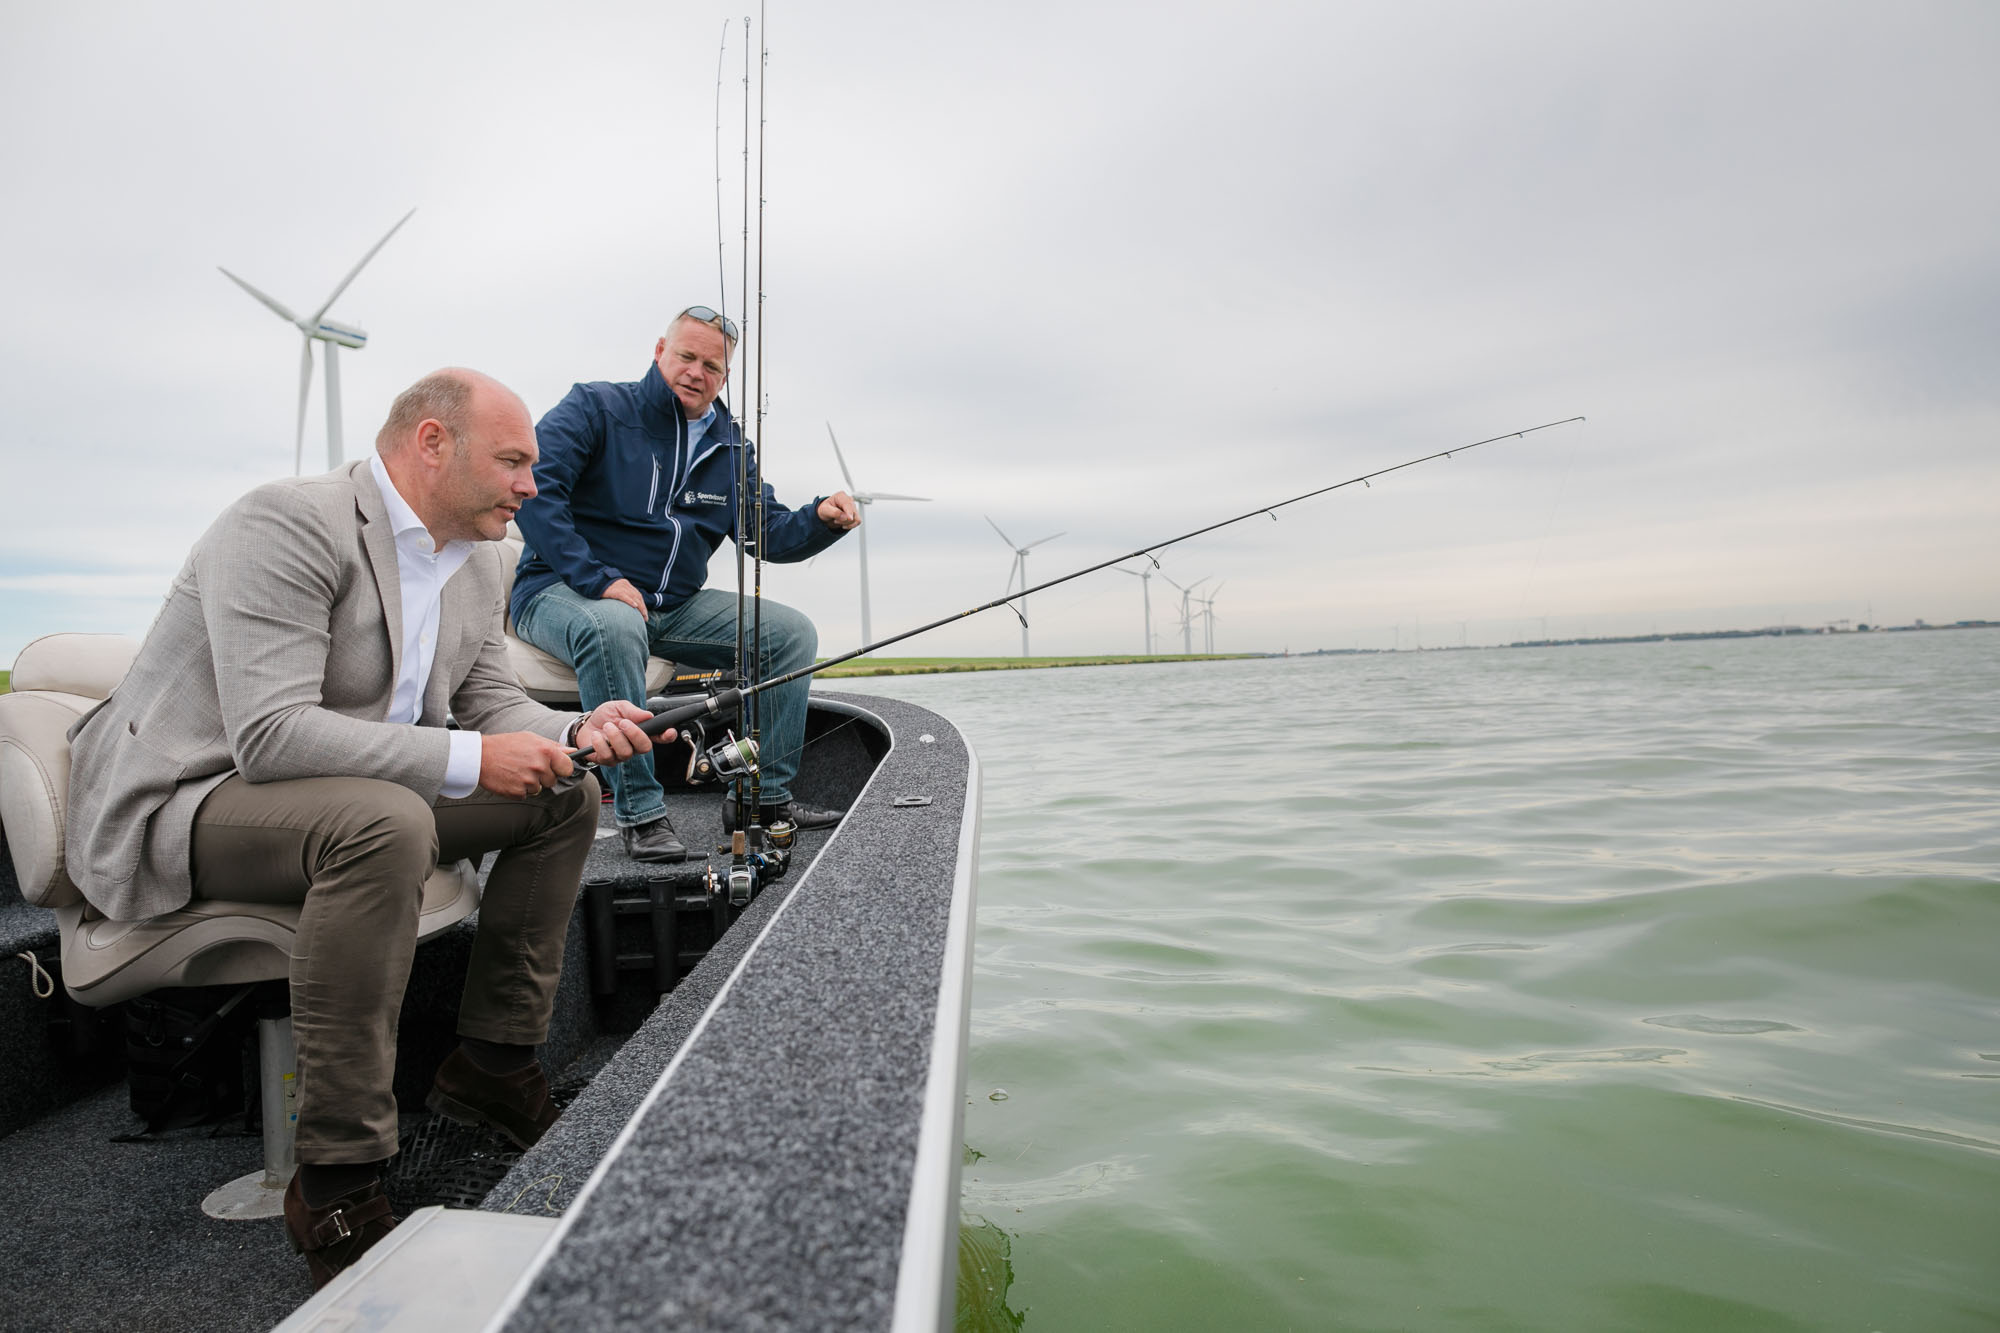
275 656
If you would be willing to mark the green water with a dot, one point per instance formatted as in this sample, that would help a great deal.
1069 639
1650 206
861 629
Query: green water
1643 987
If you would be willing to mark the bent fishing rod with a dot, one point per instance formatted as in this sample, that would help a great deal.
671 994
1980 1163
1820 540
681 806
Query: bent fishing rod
725 701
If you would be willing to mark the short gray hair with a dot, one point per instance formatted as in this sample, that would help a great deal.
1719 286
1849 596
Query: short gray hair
443 396
728 343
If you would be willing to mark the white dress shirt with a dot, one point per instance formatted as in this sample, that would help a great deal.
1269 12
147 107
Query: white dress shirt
422 570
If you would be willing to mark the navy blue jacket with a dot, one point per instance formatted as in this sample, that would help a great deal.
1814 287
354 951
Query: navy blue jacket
617 496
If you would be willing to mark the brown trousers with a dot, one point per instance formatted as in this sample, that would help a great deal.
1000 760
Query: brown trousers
356 852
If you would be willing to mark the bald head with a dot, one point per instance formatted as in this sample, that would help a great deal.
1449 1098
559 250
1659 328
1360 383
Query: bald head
454 397
460 449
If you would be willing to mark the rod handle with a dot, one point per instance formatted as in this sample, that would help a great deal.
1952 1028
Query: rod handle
706 706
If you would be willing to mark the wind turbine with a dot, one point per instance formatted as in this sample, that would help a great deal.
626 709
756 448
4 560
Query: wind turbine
862 497
1187 620
1145 577
317 327
1020 570
1208 617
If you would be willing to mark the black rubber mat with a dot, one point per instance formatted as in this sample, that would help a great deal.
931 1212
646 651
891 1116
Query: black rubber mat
439 1161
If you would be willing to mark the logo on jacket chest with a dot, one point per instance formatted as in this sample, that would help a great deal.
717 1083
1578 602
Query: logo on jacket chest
692 498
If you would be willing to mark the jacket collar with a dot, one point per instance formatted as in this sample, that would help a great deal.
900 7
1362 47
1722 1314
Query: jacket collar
658 398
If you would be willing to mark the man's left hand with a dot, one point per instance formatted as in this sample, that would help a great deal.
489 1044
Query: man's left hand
611 732
839 511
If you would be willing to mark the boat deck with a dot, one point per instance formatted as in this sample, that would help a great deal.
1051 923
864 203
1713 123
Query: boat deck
745 1158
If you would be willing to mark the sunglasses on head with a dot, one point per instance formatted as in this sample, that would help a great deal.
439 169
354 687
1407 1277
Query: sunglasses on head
701 314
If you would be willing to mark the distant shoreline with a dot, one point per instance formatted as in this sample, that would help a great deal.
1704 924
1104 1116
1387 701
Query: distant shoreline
1768 632
926 666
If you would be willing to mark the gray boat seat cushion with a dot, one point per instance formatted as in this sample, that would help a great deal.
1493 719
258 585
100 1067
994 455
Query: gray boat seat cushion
56 680
547 678
211 943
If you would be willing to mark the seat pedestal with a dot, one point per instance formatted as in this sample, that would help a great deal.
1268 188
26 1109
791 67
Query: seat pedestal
262 1193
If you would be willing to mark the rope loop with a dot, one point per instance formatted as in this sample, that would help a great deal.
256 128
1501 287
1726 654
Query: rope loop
39 979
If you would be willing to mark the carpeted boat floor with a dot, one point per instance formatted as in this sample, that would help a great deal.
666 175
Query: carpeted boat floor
103 1235
97 1234
100 1230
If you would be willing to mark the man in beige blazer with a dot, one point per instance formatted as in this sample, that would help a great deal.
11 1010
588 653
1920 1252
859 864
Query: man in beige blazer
281 737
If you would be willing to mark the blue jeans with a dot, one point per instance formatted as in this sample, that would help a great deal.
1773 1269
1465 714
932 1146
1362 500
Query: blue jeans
606 643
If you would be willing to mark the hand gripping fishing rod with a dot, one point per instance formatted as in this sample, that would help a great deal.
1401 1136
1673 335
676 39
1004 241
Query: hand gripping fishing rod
724 702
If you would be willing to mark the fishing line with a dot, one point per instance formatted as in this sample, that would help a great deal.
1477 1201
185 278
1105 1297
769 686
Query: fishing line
726 701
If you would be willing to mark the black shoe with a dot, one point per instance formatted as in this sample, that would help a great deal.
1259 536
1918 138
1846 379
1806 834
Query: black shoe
653 842
795 813
516 1104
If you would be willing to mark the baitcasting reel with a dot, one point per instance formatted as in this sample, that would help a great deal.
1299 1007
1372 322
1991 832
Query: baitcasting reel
750 871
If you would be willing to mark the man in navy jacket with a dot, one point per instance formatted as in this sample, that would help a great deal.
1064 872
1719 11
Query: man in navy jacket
636 488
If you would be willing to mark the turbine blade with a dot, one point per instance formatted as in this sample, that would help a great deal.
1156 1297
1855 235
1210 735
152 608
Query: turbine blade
354 272
1003 536
276 307
841 458
305 389
884 495
1051 537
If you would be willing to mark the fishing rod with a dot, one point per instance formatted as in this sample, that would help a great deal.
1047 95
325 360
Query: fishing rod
714 707
721 274
742 351
752 817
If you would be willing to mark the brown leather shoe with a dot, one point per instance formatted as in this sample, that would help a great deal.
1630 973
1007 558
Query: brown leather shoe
333 1237
516 1104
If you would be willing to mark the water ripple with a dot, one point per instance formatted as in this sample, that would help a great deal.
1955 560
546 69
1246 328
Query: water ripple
1327 985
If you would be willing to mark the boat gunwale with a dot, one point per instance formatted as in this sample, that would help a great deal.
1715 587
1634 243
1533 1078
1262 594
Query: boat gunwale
920 1290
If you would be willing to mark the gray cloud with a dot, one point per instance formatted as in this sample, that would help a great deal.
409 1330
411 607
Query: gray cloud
1113 272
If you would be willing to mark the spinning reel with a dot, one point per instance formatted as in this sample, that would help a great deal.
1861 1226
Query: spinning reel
711 758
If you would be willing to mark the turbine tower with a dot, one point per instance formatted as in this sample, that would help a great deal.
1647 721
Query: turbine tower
1020 570
1145 577
1208 618
862 497
1187 618
317 327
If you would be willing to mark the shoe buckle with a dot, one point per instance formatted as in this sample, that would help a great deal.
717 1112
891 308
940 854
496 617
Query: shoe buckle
337 1219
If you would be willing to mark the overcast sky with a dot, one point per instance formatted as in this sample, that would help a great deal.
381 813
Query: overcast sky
1111 271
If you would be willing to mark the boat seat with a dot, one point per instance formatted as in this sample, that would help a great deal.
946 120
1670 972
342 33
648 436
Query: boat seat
209 942
547 678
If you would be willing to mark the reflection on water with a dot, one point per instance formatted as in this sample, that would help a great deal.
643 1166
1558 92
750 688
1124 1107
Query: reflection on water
1645 987
985 1271
985 1268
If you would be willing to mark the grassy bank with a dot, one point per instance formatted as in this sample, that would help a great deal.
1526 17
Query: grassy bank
919 666
5 678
